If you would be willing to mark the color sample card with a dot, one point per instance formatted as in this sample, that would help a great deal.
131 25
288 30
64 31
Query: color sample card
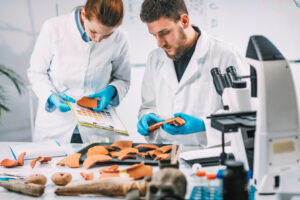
107 119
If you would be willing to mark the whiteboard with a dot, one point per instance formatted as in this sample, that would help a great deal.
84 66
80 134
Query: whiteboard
230 20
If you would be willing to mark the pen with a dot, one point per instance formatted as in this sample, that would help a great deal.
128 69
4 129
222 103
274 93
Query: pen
6 178
58 96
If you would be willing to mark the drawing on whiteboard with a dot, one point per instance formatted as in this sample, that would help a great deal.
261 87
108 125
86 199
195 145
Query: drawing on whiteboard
297 2
213 6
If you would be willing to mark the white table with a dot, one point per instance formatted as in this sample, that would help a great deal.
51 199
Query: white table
50 168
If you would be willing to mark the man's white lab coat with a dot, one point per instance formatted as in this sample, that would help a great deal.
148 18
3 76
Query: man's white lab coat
62 61
195 94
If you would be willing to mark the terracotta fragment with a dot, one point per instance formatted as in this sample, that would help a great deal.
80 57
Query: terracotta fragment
148 146
142 154
87 177
87 102
13 163
164 156
45 159
136 171
122 144
109 148
154 153
71 161
41 160
123 152
33 162
9 163
113 168
21 158
177 121
91 160
108 172
139 171
96 150
165 149
128 156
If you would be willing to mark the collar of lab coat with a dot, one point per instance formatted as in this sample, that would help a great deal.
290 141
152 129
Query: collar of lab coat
76 33
192 70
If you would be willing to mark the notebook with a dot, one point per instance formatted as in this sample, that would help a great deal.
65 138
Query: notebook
107 119
34 150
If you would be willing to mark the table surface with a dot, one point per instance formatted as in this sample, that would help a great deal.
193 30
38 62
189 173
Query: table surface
50 168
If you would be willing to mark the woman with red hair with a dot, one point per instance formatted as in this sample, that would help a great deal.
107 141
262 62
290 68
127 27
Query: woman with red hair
78 54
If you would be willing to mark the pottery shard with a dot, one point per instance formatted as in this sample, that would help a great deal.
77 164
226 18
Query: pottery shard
9 163
136 171
122 144
165 149
123 152
128 156
87 177
148 146
13 163
164 156
91 160
96 150
71 161
87 102
154 153
177 121
41 160
113 168
21 158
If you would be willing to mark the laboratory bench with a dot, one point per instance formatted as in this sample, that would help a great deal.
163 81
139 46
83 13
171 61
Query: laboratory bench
51 167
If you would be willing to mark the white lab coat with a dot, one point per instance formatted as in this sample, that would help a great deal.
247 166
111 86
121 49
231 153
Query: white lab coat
61 60
195 94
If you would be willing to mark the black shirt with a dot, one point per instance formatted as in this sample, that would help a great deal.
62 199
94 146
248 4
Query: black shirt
182 63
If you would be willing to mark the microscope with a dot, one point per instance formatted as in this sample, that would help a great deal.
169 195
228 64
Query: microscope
275 121
277 137
237 117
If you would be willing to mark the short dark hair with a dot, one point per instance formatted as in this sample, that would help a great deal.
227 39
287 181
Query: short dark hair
155 9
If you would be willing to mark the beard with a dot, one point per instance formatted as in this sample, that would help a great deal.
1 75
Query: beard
180 48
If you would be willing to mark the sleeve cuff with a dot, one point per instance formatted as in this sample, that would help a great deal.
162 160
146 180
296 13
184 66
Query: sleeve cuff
115 99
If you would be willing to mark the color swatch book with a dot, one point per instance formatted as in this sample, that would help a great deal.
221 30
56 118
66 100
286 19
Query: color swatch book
107 119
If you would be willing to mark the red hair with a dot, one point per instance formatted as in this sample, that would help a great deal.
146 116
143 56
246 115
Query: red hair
108 12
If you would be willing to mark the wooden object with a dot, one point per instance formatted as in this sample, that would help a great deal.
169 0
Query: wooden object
30 189
112 187
177 121
61 178
39 179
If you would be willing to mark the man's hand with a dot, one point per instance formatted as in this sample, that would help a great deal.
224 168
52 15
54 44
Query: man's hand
146 121
192 125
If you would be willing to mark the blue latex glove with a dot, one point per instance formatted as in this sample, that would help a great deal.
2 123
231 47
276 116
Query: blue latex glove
105 96
62 106
146 121
192 125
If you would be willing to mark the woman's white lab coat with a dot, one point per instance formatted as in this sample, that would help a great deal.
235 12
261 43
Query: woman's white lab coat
195 94
61 60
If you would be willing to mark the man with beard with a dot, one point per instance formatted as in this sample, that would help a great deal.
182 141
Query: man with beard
177 79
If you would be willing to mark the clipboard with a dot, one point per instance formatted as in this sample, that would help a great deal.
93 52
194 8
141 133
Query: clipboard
107 119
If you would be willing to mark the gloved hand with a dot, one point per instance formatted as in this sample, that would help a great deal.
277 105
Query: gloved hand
192 125
146 121
62 106
105 96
